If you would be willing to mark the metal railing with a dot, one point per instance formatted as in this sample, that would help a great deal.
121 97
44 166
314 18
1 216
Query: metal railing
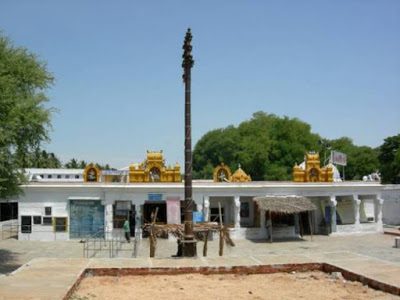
111 246
100 244
94 243
9 231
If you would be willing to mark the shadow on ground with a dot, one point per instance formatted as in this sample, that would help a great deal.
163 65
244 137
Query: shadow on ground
280 240
8 261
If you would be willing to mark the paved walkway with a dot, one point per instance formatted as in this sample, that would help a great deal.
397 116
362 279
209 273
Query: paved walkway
50 274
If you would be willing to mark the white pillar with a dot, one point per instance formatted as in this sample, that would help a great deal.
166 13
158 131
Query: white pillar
237 211
379 215
333 203
263 228
356 203
138 222
206 209
108 220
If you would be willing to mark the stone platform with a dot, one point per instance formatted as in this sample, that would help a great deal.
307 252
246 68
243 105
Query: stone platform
372 256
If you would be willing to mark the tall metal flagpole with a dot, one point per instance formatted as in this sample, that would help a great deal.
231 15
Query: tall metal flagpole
189 243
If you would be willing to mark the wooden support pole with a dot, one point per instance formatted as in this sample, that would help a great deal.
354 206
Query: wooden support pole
221 231
309 213
270 221
301 225
205 243
153 235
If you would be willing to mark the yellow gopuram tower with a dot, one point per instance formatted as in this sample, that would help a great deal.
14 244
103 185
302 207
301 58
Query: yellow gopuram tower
153 169
312 172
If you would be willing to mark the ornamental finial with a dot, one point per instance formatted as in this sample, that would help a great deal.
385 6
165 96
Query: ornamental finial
187 62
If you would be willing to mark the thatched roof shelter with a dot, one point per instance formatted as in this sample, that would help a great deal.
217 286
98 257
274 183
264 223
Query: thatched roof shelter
289 204
285 204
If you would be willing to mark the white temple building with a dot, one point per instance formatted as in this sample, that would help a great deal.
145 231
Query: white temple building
73 204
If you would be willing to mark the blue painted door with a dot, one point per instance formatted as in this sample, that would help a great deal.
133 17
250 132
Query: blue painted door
86 218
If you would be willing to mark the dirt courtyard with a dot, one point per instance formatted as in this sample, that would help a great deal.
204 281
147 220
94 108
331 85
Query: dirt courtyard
309 285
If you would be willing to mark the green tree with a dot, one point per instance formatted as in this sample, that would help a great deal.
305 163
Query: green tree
81 164
73 164
24 119
42 159
389 158
266 146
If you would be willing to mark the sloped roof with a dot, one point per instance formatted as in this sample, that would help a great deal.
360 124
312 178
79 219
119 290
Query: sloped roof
290 204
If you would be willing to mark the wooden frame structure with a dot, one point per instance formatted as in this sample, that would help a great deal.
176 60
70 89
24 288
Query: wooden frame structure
201 232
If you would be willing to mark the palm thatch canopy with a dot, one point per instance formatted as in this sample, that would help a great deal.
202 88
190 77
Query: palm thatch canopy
290 204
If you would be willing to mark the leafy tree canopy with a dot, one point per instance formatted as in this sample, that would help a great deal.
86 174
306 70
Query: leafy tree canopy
389 157
267 147
81 164
24 120
42 159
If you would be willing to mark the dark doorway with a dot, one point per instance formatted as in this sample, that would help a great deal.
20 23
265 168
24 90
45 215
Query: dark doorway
123 210
132 220
304 222
150 207
8 211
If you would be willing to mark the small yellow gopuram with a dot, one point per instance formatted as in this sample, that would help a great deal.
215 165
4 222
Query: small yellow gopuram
91 173
153 169
240 176
222 173
312 171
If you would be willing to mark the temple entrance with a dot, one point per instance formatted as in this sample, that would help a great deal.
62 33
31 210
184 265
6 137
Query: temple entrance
149 208
123 210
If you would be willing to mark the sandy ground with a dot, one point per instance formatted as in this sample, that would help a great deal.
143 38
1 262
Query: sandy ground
310 285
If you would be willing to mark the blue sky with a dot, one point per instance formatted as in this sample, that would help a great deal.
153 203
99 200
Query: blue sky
117 64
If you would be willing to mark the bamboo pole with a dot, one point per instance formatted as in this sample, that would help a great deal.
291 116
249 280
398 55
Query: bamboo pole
205 243
152 235
301 225
221 232
270 221
310 223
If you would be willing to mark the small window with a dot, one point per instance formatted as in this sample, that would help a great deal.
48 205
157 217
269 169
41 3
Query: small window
244 209
46 220
49 176
60 224
58 176
26 224
66 176
76 176
47 210
42 176
37 220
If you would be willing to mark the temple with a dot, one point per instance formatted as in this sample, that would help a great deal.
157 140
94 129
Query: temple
153 169
62 204
311 171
